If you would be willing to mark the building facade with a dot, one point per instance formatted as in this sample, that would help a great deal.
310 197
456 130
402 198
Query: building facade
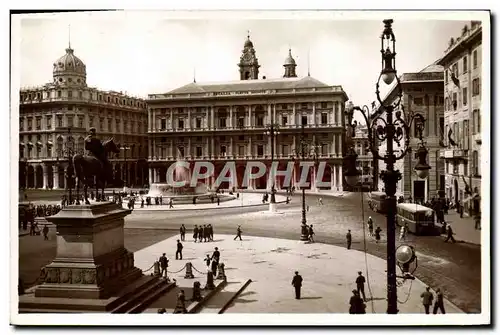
55 118
422 92
462 88
227 121
364 163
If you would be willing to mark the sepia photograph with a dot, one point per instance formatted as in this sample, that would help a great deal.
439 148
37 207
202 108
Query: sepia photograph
258 167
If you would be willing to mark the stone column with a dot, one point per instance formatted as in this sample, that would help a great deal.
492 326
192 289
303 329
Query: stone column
151 180
231 151
294 118
172 153
153 120
269 114
207 121
55 176
45 177
212 117
189 119
314 114
171 118
334 177
189 148
341 180
250 116
35 168
149 119
230 117
250 153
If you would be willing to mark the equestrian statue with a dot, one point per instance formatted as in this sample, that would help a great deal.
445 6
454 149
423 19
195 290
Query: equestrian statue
94 167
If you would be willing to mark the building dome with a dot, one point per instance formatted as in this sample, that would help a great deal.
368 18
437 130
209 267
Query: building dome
248 43
289 60
69 70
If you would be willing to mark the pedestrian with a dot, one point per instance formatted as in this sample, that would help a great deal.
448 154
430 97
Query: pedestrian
307 208
311 234
210 232
449 234
207 261
170 203
377 234
402 233
206 234
218 201
195 233
297 283
360 285
183 232
163 264
201 232
215 260
348 238
370 226
356 304
320 201
477 222
238 233
179 250
45 232
427 298
439 304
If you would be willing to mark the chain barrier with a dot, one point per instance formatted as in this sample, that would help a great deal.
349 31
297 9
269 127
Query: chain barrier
203 273
177 271
149 268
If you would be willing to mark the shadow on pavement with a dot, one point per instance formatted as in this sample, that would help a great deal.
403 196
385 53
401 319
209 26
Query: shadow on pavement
311 298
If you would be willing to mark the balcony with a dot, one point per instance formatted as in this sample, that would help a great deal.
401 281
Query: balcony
455 153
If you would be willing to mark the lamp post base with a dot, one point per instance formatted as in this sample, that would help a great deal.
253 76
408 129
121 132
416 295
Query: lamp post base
304 237
272 207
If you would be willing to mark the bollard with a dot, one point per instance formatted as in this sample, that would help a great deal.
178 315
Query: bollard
180 307
156 269
196 291
220 270
210 281
189 271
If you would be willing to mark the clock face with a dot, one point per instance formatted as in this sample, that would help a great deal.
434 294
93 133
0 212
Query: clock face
247 57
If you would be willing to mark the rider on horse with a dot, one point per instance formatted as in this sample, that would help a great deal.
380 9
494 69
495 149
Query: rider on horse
96 149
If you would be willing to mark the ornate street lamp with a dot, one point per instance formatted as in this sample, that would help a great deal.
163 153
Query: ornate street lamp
394 128
305 150
272 130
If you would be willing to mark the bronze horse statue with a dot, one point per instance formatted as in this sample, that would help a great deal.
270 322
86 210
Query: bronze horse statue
89 167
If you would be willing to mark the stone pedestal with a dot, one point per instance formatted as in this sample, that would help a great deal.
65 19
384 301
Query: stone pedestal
91 260
92 266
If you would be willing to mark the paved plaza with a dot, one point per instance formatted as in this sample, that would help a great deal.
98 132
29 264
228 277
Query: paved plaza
329 274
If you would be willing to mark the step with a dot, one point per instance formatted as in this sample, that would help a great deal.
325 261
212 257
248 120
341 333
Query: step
221 301
153 296
139 295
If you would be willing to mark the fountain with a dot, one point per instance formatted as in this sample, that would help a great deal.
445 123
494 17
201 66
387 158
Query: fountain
184 194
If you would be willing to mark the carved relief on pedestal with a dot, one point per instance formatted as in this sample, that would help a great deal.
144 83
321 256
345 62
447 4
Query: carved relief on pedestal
89 276
100 275
65 276
76 276
52 276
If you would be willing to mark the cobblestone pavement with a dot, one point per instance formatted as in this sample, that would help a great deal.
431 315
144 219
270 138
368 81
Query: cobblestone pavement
455 268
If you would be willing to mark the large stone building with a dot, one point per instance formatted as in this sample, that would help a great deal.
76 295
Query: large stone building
227 121
55 118
365 162
462 88
422 92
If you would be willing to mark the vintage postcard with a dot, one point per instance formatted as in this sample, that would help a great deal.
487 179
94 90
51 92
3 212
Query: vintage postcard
253 167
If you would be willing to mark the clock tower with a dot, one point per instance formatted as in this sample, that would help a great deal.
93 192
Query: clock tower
249 64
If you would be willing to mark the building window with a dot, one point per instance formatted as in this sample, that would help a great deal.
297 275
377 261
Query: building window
222 122
199 151
465 64
464 96
475 163
284 106
260 121
59 94
70 121
324 149
454 69
180 124
101 123
303 105
21 124
304 119
478 121
109 99
466 135
260 150
38 123
260 137
59 121
163 124
446 77
475 87
324 105
241 122
284 150
441 128
223 150
324 118
70 94
284 120
30 124
110 125
474 59
100 97
454 102
80 122
241 137
241 150
198 123
181 152
418 101
80 94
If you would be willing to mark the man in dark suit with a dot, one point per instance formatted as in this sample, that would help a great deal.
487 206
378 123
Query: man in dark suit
297 283
427 298
360 285
439 304
163 264
348 238
178 253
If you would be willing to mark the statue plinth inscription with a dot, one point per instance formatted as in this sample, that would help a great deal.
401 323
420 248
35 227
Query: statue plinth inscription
91 261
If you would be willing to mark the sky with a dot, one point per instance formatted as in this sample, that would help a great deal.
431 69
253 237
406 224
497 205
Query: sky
153 52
